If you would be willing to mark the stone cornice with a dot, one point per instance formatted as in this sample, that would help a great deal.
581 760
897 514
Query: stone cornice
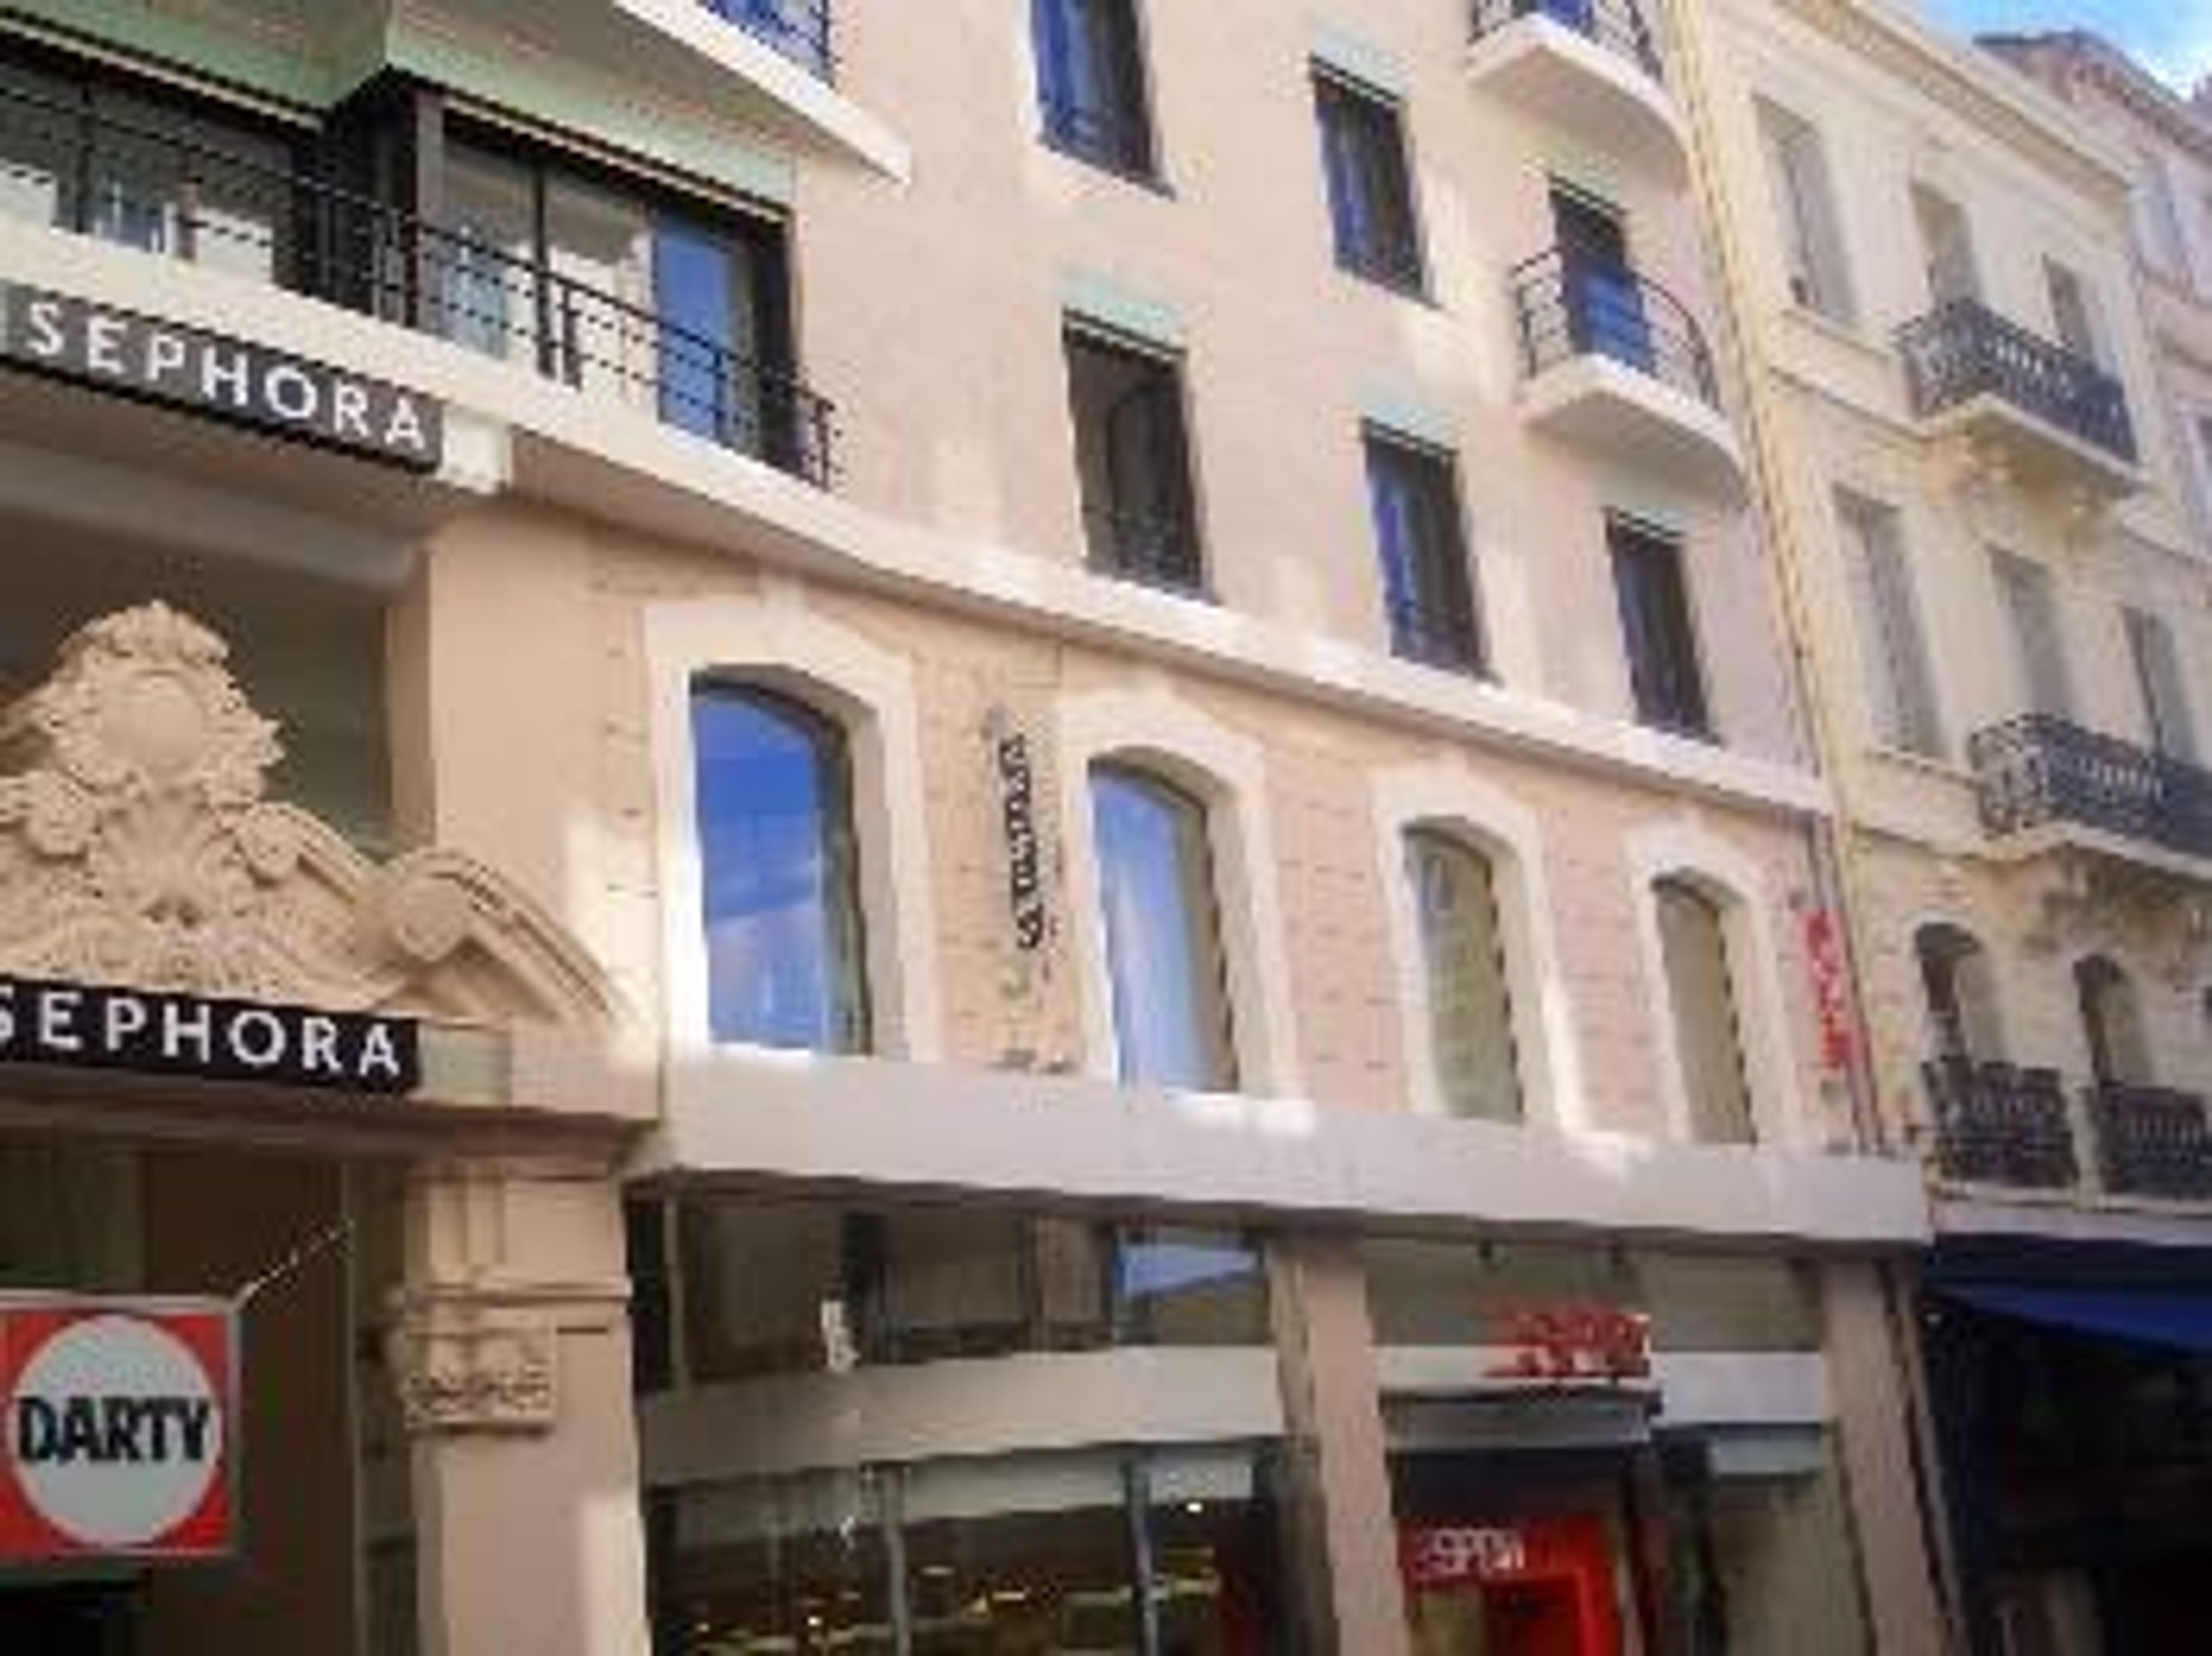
2103 66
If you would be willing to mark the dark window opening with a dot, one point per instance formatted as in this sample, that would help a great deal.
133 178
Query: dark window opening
1657 630
1370 189
1132 462
1091 82
1426 586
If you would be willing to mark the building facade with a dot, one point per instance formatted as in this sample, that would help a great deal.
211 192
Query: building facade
1973 406
1173 982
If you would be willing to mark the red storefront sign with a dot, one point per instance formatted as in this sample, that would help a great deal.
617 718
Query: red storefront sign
1832 993
1566 1345
1548 1584
119 1429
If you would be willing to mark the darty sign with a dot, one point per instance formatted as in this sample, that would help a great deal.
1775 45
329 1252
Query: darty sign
83 1026
247 384
119 1429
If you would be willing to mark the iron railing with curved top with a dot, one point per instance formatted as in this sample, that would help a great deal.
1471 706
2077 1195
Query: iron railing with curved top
1565 308
2152 1141
800 30
166 194
2040 769
1966 350
1998 1124
1619 26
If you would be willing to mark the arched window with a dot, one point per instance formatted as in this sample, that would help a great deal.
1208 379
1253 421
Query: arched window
1954 977
1708 1031
780 872
1470 1003
2111 1023
1163 954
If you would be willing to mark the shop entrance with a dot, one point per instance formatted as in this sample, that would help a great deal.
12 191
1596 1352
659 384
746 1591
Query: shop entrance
323 1496
1513 1586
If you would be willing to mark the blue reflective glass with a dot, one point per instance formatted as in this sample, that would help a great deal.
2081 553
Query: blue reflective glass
777 874
1171 1019
703 292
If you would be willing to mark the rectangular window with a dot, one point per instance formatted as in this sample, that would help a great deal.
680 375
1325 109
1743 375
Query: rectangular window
1133 461
2157 218
1655 628
2032 608
1091 82
1804 203
1893 646
1947 247
2158 679
1370 189
1414 493
2071 314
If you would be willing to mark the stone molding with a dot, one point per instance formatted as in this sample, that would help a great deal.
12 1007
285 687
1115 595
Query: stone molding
139 848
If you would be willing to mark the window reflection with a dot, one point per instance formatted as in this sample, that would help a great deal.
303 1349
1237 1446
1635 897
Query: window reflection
1172 1020
779 871
1470 1006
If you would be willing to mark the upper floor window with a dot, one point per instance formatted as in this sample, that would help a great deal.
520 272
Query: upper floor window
780 868
2112 1024
1370 189
1663 674
1805 205
1961 1001
1947 247
1708 1027
1167 971
2158 233
1133 461
2031 607
2160 681
1470 1003
1415 495
2072 317
1090 82
1892 645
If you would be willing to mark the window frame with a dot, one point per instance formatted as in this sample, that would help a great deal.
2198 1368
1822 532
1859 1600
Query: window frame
1424 469
1350 112
1817 275
1872 528
1137 161
1681 887
1193 578
1689 712
1416 839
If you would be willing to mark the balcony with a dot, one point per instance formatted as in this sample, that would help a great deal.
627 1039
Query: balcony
1616 364
1590 68
146 188
2040 412
2039 771
2152 1141
799 30
1999 1124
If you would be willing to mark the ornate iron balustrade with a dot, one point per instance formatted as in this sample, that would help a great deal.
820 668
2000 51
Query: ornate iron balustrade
2152 1141
163 194
1966 350
797 29
2038 769
1999 1124
1566 307
1619 26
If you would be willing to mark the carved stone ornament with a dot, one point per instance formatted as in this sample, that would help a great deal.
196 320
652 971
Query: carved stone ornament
139 848
2090 905
476 1372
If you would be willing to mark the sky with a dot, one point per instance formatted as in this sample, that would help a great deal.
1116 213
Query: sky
2171 37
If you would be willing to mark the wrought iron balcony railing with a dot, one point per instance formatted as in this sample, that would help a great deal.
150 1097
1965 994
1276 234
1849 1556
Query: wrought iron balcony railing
1966 350
152 190
1566 307
1619 26
1999 1124
799 29
2152 1141
2038 769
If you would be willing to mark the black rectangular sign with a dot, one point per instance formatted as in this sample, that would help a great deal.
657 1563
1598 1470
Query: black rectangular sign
245 384
88 1027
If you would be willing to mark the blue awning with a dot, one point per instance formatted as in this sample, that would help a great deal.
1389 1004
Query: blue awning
2171 1322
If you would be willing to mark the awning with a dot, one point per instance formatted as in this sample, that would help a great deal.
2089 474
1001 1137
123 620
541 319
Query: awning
2171 1322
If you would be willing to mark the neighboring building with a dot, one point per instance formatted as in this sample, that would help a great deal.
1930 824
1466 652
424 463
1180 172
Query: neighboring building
1980 488
1169 986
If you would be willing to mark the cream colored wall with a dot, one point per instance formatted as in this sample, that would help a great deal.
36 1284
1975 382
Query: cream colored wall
935 314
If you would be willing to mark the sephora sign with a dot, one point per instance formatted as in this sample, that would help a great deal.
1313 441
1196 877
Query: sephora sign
119 1429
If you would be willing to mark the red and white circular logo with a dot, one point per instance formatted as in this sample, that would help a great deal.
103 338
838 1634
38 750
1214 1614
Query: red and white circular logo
117 1434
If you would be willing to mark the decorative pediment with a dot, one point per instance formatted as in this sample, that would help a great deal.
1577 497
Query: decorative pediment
138 847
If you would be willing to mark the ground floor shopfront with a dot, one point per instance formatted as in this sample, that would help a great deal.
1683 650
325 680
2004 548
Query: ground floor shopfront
2071 1388
975 1431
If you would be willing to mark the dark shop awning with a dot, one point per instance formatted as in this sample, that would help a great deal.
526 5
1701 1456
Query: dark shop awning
2173 1321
